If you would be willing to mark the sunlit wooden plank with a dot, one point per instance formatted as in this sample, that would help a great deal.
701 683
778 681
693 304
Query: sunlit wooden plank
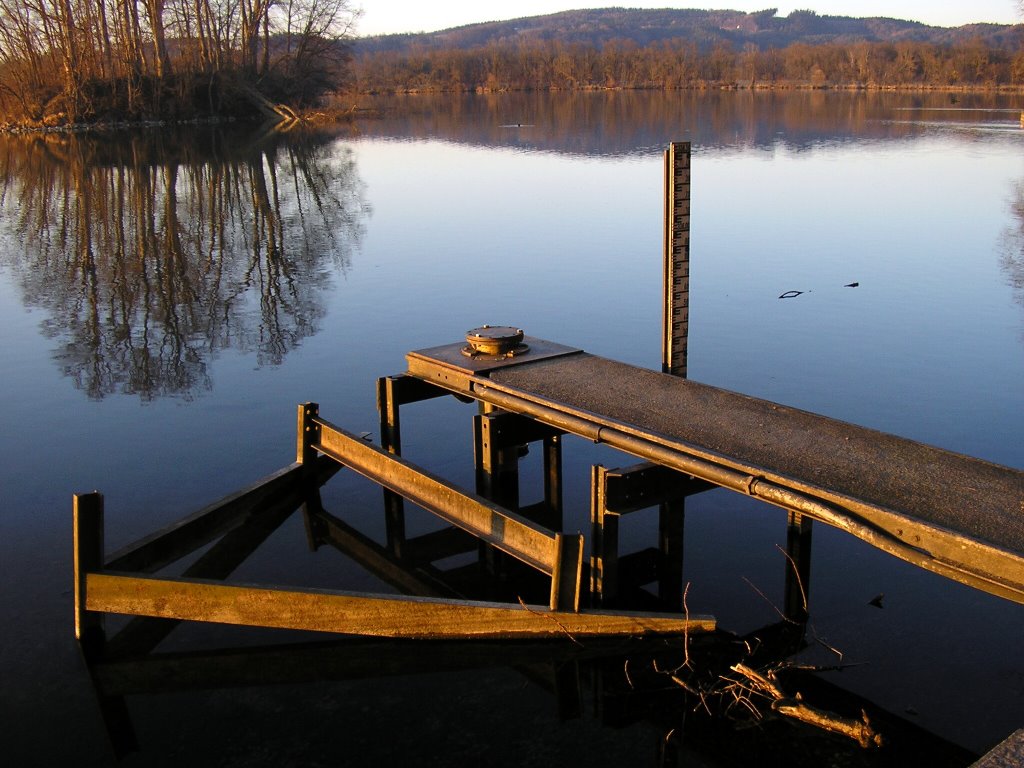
363 614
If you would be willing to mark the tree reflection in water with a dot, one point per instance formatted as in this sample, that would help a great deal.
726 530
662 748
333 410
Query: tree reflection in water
151 252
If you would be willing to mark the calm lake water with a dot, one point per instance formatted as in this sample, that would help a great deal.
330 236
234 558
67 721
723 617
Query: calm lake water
166 299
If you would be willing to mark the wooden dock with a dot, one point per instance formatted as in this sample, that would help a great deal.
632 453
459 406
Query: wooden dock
955 515
952 514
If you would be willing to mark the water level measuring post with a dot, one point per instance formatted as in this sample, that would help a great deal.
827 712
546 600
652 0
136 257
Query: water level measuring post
676 283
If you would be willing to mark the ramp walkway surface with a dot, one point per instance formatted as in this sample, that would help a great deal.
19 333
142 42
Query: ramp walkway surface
953 514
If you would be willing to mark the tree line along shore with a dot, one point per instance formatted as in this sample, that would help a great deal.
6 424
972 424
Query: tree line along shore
65 63
681 65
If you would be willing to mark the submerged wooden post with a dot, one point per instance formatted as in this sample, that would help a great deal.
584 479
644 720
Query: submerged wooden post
553 480
88 542
604 557
565 580
497 460
671 520
388 408
307 433
676 282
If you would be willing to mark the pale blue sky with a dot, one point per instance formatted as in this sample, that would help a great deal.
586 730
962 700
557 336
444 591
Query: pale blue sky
387 16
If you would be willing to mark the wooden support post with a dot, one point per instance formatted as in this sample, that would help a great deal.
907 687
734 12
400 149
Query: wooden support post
676 282
604 556
568 571
798 568
671 519
497 460
553 480
617 492
88 541
388 408
497 477
307 433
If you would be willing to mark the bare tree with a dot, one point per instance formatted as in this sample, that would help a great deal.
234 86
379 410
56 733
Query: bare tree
97 55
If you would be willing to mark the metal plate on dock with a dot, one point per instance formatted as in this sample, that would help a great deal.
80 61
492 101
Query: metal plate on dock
452 356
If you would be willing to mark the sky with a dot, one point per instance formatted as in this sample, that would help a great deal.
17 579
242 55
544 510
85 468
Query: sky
381 17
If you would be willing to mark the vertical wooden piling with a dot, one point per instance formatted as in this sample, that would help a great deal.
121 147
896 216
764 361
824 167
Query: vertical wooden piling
565 581
671 524
604 543
553 480
676 282
306 434
88 543
497 460
388 408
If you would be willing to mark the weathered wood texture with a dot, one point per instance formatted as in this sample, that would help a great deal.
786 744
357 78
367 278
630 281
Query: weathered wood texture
555 554
958 516
362 614
88 545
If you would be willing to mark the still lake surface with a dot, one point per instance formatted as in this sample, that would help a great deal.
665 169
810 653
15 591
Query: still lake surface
167 298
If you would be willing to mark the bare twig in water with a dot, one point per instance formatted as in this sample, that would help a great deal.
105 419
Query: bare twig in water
860 730
796 573
559 624
775 608
686 629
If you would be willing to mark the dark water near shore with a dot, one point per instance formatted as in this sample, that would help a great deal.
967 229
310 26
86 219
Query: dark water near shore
167 298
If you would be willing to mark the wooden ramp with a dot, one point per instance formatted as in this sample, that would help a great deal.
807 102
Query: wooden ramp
952 514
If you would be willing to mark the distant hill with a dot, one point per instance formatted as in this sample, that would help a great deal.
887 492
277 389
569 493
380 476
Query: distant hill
763 29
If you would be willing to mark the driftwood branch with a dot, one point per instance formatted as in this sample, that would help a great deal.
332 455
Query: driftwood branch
860 730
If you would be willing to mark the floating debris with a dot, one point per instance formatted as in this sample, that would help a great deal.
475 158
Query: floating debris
790 294
877 600
851 285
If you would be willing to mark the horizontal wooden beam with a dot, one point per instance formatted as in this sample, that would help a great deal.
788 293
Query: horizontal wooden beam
363 614
402 390
644 485
501 528
511 429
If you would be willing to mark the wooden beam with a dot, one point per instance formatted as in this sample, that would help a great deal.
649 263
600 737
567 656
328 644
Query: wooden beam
644 485
142 634
362 614
505 530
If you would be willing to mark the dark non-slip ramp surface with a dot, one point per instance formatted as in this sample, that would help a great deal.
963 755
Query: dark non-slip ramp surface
982 500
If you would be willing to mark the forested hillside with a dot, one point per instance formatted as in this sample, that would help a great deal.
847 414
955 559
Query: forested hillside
629 48
704 28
